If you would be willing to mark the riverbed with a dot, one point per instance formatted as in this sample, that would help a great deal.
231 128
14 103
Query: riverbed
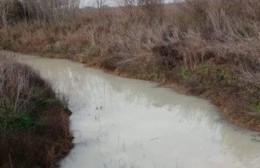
127 123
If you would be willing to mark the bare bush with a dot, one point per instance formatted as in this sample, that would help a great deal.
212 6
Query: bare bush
22 92
220 19
146 11
31 119
154 9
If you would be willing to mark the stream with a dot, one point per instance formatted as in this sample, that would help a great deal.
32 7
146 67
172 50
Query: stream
127 123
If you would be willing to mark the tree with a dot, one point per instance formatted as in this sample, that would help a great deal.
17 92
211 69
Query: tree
50 10
4 10
101 3
10 11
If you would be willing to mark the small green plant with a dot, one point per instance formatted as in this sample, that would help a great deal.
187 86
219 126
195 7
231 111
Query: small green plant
60 47
10 123
157 75
224 76
255 106
207 83
206 70
184 73
244 31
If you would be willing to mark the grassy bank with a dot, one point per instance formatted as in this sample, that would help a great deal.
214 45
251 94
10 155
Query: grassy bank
34 125
212 48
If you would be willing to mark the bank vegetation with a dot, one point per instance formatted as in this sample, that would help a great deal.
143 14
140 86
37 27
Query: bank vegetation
211 47
34 124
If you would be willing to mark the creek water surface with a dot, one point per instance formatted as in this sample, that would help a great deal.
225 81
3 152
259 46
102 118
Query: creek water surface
126 123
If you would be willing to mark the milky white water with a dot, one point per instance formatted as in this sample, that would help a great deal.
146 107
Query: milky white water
126 123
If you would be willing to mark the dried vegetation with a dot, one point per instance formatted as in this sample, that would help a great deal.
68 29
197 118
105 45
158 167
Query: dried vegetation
34 126
212 47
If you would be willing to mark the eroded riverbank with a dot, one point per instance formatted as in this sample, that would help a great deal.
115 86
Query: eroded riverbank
120 122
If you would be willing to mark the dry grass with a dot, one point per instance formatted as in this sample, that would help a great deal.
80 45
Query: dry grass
206 45
34 127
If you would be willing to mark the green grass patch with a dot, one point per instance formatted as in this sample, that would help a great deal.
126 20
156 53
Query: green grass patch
225 77
255 106
184 74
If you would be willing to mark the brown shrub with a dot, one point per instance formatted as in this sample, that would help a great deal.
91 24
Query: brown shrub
34 127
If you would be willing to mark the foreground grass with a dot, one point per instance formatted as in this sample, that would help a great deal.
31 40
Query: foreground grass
34 127
212 48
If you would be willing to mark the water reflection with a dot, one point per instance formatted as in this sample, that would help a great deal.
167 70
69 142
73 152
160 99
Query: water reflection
126 123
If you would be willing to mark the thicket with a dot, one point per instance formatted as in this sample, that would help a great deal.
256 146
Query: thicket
47 11
34 127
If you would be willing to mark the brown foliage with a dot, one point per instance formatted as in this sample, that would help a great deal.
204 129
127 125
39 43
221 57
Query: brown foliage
34 127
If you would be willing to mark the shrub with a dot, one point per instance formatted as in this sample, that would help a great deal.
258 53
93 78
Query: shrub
31 119
22 93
